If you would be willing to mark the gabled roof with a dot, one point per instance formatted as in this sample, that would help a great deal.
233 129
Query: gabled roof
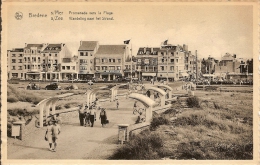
111 49
53 48
87 45
29 46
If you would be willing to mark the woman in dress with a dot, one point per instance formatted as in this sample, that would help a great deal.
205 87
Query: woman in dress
103 116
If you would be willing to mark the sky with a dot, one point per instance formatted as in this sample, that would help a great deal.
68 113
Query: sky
211 30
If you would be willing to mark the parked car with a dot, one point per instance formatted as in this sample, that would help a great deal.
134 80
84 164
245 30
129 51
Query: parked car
126 79
90 82
53 86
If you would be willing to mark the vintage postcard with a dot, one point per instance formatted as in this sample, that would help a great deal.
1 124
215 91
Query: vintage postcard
129 82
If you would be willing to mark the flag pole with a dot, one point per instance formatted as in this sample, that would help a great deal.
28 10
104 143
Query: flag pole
131 64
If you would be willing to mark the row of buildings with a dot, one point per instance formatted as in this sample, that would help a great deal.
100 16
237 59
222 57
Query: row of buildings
55 62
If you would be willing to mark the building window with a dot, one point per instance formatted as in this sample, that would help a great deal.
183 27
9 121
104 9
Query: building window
20 55
13 68
43 61
14 74
24 66
146 68
39 66
104 68
63 67
13 55
73 67
91 68
43 55
162 60
49 54
28 59
25 59
111 68
172 60
97 67
119 60
81 53
56 55
86 53
103 60
90 54
91 61
177 60
56 61
21 74
162 68
20 60
39 51
118 68
67 67
172 68
13 61
162 53
20 67
28 66
172 53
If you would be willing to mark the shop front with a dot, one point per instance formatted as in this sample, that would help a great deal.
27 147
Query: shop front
109 75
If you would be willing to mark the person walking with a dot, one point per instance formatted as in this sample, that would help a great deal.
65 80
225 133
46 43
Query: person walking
86 116
135 107
81 114
55 132
48 134
117 104
92 116
103 117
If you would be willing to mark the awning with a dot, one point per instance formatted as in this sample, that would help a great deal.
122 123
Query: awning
111 73
32 73
149 74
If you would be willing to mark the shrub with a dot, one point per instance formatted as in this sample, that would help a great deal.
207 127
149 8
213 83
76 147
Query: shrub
157 121
22 112
144 146
67 106
12 99
193 102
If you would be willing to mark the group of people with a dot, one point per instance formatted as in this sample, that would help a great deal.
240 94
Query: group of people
87 116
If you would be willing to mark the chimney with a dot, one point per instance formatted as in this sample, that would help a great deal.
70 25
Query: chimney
144 49
25 44
80 42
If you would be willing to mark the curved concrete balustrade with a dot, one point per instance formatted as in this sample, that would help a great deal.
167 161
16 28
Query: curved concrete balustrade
147 102
169 89
161 93
47 103
114 91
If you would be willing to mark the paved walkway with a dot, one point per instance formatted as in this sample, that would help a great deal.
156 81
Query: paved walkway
76 142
